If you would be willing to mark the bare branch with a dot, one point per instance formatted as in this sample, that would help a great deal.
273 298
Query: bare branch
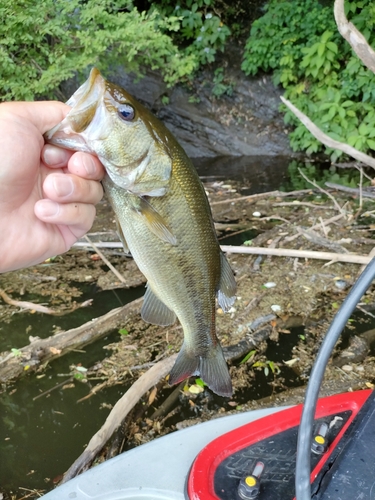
323 191
325 139
304 254
105 260
355 38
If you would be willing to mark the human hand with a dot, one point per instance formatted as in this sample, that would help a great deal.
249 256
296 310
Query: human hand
47 194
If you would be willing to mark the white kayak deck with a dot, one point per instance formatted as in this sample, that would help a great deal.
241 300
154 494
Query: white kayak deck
154 471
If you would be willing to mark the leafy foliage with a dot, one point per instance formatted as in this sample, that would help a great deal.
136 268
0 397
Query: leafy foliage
299 41
43 43
200 27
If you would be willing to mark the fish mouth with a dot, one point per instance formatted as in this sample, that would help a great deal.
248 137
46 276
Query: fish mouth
86 113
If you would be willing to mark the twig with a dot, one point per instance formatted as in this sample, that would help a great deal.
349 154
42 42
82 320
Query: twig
302 204
347 189
354 37
325 139
358 166
364 311
273 217
259 196
31 492
370 255
317 226
324 229
99 244
25 305
168 404
104 259
53 388
322 190
304 254
38 307
316 239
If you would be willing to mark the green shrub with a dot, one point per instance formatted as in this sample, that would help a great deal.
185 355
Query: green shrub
202 31
321 75
44 42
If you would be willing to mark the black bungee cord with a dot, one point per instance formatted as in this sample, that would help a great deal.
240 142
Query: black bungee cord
303 466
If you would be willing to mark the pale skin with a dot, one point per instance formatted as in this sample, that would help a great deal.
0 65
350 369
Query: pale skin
47 194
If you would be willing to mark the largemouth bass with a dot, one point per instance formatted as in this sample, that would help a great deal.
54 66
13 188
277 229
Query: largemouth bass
164 220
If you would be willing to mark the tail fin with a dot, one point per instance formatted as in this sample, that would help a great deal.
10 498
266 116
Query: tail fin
213 370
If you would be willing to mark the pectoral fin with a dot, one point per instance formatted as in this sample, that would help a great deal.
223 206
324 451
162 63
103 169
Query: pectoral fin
226 294
154 221
149 189
154 311
122 237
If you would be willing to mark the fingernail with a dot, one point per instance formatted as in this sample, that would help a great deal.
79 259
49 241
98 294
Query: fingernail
89 165
63 185
48 208
53 155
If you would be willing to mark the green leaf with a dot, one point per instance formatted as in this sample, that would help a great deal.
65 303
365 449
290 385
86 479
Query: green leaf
123 331
248 356
326 36
321 49
332 47
200 382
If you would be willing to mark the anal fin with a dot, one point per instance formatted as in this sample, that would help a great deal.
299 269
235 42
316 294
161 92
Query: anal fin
154 311
226 294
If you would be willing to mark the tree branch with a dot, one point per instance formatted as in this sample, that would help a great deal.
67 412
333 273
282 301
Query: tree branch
303 254
325 139
354 37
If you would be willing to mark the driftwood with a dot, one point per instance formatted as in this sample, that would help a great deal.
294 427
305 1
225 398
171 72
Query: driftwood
139 389
41 351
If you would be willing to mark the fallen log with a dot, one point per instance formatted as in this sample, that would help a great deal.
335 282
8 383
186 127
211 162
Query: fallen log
41 351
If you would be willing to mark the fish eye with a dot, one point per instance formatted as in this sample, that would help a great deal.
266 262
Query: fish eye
126 112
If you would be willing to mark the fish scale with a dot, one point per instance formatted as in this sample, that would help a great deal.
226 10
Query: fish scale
164 219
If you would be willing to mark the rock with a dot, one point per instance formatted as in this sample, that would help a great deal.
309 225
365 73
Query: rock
245 124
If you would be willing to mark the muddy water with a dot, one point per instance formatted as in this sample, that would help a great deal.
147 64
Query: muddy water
42 433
